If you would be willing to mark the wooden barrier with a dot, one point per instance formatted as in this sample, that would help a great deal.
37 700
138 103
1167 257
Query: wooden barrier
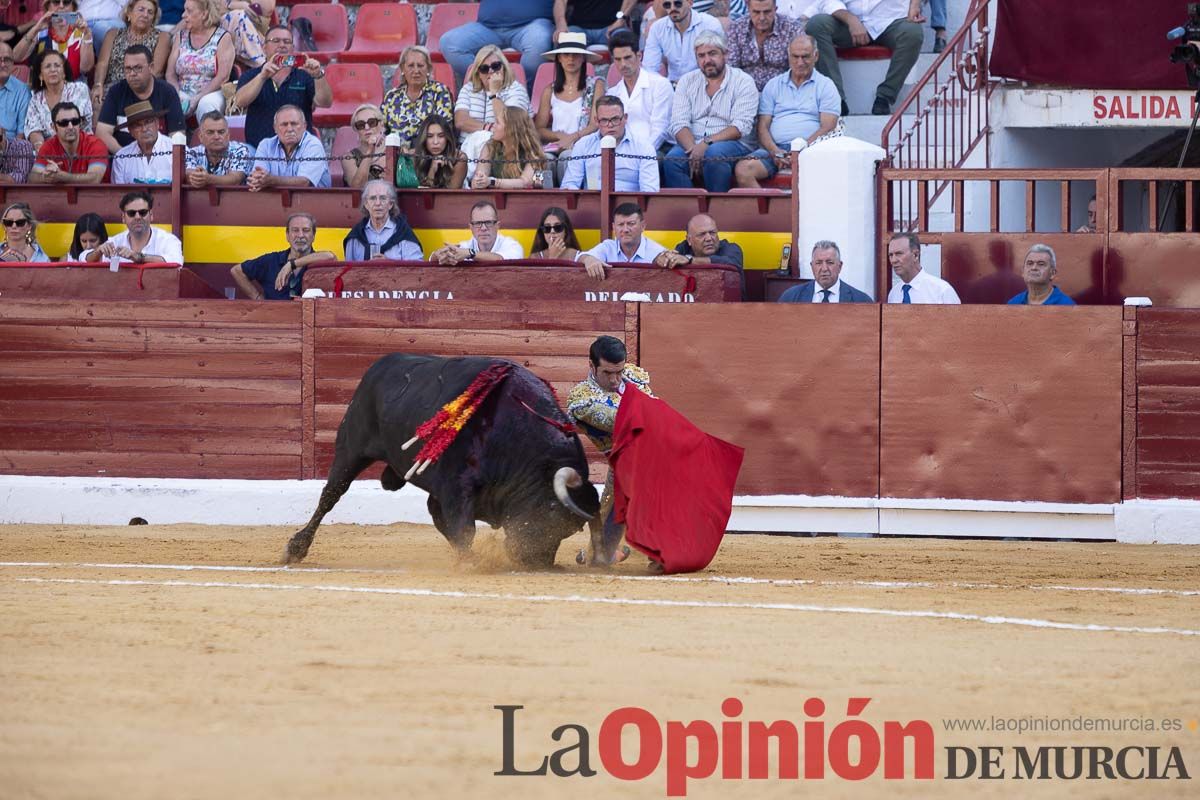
1168 403
98 282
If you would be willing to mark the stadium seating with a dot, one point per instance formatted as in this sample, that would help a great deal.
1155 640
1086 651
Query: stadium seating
353 85
331 28
544 78
447 17
344 141
381 33
442 73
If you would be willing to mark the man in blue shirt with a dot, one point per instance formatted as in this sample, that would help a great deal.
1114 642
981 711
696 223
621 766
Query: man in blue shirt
14 96
636 165
1038 272
264 90
292 158
799 104
526 25
629 244
279 276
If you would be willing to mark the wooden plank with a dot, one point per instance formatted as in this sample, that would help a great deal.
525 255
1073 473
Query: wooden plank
1174 451
1169 373
1168 398
1168 423
147 339
150 465
85 366
472 316
171 313
1129 410
308 386
633 327
549 367
517 343
1168 483
338 391
137 390
68 436
282 420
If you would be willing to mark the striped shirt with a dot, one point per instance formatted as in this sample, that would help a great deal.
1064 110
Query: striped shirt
474 101
735 103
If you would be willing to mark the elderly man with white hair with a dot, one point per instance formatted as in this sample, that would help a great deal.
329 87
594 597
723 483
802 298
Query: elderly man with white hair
712 117
383 232
1038 272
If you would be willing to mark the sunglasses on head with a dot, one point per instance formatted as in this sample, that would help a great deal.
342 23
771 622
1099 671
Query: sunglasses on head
73 122
553 227
16 223
137 212
495 66
363 124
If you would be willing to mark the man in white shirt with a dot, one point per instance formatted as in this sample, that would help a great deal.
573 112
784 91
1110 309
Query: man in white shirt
913 284
628 245
487 243
147 159
140 242
646 94
673 38
895 24
634 162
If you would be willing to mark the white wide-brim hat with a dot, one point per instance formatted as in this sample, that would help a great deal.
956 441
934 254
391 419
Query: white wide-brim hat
571 42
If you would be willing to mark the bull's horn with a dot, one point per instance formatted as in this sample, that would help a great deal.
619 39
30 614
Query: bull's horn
567 478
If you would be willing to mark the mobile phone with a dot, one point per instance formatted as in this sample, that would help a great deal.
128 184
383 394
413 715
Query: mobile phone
785 259
69 17
294 60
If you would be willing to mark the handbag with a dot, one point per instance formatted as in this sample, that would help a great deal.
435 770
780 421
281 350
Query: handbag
406 173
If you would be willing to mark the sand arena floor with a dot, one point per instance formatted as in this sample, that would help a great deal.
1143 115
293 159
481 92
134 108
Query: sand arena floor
125 675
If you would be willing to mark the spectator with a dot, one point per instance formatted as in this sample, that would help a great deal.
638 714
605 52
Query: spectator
383 232
417 97
266 89
201 58
140 242
1039 272
566 109
52 33
367 161
139 84
1090 227
247 23
826 269
654 11
513 158
216 161
554 237
293 157
436 158
722 9
895 24
140 18
703 245
937 21
628 245
758 45
522 24
102 16
645 94
916 285
486 244
636 167
799 104
20 236
674 41
90 232
597 20
16 158
712 119
14 96
72 155
148 158
799 10
172 15
279 276
51 80
489 87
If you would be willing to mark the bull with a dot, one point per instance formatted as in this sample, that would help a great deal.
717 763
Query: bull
517 463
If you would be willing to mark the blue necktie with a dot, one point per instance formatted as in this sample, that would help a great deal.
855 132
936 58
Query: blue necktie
825 299
906 288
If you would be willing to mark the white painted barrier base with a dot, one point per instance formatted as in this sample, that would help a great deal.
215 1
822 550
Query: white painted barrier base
114 501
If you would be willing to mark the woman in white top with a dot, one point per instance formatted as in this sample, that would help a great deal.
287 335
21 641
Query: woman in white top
566 109
50 80
488 87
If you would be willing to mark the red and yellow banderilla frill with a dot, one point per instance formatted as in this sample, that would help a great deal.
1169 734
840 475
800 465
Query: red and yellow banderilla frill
440 430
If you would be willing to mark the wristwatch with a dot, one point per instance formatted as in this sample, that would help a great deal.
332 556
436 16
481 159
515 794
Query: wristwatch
691 259
706 140
620 16
491 181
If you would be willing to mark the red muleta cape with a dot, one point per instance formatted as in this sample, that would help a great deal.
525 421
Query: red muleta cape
673 483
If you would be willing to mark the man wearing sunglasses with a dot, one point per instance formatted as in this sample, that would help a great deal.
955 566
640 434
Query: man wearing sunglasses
635 162
72 155
673 39
140 242
16 159
487 243
14 96
264 90
526 25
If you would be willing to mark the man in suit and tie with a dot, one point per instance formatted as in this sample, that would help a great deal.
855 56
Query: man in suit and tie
826 287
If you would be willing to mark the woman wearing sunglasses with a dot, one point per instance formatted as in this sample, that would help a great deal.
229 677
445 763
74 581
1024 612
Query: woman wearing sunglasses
488 88
20 236
566 109
555 237
368 161
50 80
61 29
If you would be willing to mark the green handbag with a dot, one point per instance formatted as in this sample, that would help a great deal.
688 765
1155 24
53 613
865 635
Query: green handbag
406 173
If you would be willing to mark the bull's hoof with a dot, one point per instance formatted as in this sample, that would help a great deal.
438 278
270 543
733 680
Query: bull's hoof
297 549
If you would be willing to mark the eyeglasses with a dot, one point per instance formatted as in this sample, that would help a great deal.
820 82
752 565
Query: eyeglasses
484 223
6 59
610 120
553 227
137 212
73 122
495 66
16 223
363 124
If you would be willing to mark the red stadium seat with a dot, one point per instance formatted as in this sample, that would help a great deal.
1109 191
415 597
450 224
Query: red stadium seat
381 33
331 28
353 85
870 52
344 141
447 17
443 73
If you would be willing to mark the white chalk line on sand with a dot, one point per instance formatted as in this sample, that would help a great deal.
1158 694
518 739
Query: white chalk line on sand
725 579
628 601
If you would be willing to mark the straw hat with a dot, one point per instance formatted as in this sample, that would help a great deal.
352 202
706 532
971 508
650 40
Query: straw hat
136 112
571 42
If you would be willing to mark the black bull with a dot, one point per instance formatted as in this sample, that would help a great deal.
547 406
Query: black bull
510 466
